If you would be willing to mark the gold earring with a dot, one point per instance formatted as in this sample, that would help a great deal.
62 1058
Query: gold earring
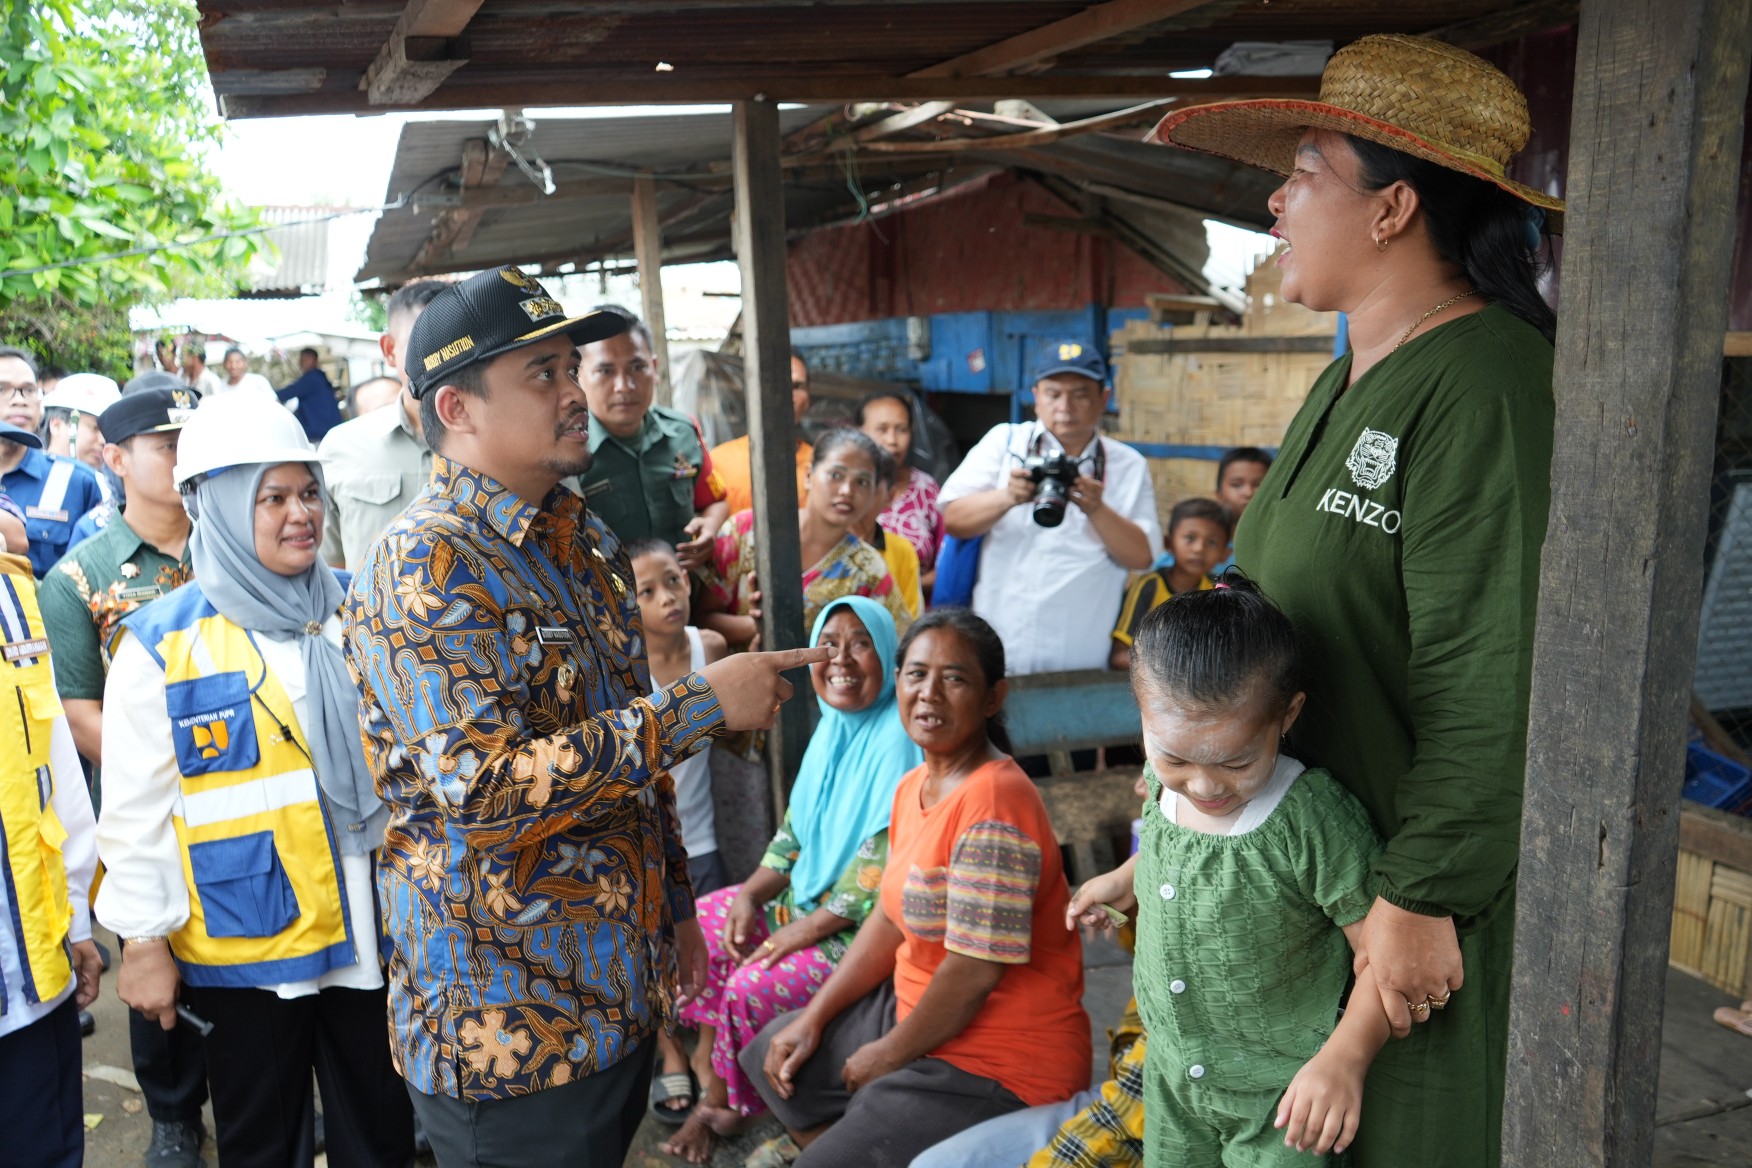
1380 244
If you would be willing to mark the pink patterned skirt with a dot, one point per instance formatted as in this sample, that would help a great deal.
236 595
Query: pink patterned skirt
739 1002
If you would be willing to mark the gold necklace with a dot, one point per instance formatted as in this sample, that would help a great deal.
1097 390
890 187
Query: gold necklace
1448 303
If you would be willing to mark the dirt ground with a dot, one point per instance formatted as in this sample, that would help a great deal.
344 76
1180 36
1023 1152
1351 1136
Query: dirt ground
1704 1119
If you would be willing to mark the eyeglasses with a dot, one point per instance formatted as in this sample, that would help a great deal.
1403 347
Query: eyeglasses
30 391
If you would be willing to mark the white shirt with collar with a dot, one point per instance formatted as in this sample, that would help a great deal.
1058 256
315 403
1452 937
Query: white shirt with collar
1052 593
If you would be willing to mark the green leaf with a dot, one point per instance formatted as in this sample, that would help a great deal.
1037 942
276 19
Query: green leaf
102 227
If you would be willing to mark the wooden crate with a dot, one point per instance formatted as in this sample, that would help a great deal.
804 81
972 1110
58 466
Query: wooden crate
1209 398
1712 902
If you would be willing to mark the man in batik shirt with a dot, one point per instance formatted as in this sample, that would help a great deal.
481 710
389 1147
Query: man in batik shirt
533 880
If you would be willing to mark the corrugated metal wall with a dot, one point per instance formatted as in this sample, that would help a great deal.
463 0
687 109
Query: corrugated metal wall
970 250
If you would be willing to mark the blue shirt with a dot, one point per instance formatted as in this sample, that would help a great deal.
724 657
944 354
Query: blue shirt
315 404
54 492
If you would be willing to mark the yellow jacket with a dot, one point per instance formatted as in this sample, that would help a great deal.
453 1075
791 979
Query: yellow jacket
35 871
267 904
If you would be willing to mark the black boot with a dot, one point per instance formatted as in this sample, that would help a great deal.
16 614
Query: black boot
176 1144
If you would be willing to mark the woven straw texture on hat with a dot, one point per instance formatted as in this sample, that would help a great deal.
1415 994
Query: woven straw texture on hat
1424 97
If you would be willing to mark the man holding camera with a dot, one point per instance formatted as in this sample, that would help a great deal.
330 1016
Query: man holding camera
1051 576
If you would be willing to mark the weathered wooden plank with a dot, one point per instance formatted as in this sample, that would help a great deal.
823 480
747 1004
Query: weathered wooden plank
422 51
648 250
492 90
1232 345
772 432
1098 22
1717 835
482 165
1654 140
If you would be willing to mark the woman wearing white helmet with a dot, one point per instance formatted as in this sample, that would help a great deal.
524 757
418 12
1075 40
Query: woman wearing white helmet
240 825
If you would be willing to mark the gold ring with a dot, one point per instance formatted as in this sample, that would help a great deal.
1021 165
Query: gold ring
766 945
1441 1003
1418 1007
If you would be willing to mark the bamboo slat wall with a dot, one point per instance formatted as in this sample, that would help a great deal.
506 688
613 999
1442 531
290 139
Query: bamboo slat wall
1215 398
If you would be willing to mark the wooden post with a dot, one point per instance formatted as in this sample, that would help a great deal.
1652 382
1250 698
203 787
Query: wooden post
1654 146
648 250
772 434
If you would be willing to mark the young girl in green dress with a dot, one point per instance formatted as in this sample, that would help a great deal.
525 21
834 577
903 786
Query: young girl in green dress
1251 874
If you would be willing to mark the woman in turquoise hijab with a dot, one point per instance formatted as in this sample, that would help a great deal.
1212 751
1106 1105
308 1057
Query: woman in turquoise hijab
776 937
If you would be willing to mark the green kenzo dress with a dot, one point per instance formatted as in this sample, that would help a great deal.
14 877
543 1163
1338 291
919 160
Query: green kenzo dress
1241 968
1400 530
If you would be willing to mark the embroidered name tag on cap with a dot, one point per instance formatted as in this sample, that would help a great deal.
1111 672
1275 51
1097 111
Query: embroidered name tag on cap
19 650
43 513
554 635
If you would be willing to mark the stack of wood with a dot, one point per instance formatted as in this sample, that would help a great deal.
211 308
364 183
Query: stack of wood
1192 377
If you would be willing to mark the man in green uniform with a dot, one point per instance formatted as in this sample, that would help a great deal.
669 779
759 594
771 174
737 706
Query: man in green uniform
140 556
650 475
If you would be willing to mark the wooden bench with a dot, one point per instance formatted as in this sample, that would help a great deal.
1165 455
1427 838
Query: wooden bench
1054 714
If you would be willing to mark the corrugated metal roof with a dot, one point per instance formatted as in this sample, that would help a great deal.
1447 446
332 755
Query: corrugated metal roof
429 155
301 267
559 230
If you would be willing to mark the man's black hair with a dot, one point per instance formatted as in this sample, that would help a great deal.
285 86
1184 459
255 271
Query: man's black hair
413 297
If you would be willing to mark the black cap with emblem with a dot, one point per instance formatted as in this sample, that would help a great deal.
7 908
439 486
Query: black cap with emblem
148 411
489 314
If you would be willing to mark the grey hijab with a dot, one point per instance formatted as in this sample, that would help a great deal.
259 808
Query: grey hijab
254 597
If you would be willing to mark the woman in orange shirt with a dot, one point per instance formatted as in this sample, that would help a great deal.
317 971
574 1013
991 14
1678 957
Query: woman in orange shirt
961 998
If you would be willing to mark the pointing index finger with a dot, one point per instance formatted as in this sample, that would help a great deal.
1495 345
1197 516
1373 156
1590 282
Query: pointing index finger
783 659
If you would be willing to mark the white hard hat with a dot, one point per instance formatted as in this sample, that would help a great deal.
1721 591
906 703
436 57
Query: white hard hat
85 393
237 429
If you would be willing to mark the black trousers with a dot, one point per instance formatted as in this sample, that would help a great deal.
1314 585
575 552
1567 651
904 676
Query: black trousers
42 1102
588 1123
260 1057
171 1067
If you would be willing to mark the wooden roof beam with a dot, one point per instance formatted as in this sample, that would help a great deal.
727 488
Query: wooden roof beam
1098 22
482 164
421 52
500 90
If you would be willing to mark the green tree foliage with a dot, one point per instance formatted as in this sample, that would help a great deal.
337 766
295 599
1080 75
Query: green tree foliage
105 123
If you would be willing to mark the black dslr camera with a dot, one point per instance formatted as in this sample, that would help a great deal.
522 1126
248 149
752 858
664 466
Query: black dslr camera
1055 475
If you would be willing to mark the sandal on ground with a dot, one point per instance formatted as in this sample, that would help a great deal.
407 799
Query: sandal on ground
777 1152
677 1085
1739 1021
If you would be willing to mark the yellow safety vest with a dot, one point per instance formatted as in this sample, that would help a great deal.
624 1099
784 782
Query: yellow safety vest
266 901
36 875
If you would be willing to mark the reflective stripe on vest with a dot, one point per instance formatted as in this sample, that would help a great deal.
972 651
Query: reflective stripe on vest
55 486
267 904
35 873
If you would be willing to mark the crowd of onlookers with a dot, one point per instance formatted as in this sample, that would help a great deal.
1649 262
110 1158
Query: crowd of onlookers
416 732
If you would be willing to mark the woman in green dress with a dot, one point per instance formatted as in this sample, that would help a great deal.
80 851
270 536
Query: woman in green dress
1400 530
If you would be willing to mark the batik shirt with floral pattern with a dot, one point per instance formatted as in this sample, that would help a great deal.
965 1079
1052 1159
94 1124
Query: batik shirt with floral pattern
533 871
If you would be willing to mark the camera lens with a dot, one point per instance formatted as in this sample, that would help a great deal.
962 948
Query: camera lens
1049 502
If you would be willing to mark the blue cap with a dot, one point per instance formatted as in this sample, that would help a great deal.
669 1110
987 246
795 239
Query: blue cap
10 433
1069 357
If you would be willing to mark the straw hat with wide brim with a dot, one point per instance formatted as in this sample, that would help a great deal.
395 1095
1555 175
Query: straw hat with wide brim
1424 97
